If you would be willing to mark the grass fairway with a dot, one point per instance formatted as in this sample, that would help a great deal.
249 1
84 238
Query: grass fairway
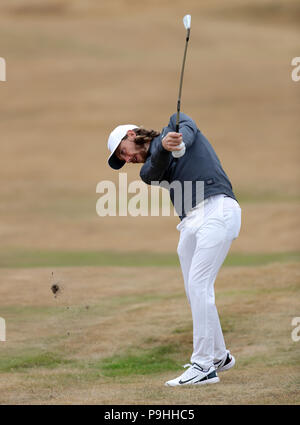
121 325
47 258
116 334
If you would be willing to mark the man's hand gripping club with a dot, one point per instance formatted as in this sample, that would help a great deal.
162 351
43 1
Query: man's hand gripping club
173 142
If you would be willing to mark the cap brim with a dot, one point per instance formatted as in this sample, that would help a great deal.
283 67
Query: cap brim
114 162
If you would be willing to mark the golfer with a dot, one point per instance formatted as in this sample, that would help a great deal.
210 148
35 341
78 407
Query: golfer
210 220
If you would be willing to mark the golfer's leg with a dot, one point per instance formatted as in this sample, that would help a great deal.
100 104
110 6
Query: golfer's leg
232 217
205 265
185 250
219 343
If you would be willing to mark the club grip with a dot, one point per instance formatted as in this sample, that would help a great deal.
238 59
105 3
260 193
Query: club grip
177 118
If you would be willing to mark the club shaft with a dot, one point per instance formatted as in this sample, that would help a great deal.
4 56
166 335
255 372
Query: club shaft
181 80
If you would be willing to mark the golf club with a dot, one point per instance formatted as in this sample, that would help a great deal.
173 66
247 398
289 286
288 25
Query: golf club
187 24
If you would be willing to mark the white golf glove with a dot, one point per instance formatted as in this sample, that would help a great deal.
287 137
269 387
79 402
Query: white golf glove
178 154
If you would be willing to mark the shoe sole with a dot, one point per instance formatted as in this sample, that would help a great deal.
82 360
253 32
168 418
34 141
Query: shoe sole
208 381
228 366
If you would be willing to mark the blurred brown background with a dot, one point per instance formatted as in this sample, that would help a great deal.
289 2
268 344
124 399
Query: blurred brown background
114 335
76 69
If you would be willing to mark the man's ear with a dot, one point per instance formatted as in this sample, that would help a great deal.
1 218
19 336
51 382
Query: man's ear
131 134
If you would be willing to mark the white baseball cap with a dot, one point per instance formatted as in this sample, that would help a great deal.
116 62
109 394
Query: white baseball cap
114 140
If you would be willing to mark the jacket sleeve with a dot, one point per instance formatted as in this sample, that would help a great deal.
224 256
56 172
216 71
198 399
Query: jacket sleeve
187 127
156 165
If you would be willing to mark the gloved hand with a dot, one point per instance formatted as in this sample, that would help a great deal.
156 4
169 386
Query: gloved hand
178 154
173 142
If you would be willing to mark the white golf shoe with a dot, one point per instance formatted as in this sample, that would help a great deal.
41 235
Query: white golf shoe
195 375
226 363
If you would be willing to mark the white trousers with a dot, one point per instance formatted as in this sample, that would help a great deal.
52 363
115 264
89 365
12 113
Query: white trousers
206 234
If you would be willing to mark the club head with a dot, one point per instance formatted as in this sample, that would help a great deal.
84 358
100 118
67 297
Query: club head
187 21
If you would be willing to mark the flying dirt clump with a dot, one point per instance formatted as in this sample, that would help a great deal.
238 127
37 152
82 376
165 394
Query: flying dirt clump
56 287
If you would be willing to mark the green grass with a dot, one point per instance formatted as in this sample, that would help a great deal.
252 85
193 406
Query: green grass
46 258
143 362
32 360
262 259
271 196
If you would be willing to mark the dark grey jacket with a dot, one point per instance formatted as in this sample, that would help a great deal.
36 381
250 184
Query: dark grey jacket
199 164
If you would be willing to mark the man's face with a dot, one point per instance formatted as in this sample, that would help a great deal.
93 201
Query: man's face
130 152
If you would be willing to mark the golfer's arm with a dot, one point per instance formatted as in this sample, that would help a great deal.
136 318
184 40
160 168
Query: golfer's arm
187 127
156 165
